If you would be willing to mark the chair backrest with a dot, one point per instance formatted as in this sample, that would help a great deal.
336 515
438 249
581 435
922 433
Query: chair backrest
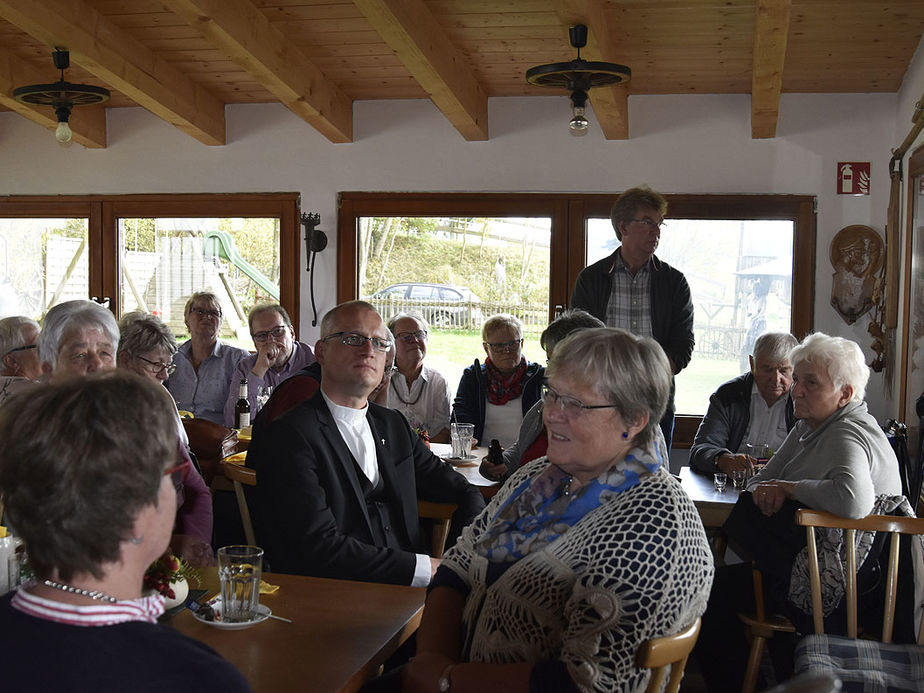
210 442
441 515
878 523
239 475
670 652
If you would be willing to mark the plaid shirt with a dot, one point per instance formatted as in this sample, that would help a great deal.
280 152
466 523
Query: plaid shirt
629 307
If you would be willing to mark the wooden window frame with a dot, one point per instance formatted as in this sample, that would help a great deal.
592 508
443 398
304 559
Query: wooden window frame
104 211
569 213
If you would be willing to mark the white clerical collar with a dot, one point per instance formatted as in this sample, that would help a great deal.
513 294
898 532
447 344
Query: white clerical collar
346 415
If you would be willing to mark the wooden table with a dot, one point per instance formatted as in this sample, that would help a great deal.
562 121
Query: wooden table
714 507
342 631
470 471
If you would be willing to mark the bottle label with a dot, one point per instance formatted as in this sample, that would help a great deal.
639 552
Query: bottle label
244 420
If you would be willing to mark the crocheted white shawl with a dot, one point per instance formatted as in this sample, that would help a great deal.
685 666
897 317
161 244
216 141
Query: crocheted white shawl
637 567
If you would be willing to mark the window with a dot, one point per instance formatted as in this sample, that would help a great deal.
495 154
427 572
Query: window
577 223
150 252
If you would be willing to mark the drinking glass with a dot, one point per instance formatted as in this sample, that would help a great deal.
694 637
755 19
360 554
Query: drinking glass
760 452
739 476
239 569
263 395
719 479
461 435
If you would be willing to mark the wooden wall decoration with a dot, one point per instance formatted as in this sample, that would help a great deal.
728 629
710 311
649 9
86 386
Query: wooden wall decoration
857 255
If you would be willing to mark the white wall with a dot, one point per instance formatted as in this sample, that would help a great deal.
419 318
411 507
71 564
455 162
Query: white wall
679 144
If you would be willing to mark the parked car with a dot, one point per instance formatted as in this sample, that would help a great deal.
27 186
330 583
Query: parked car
444 306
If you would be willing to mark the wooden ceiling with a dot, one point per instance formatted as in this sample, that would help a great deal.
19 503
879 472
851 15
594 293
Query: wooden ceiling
183 60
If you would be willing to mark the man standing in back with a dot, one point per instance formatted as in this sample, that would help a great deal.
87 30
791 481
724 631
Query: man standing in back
338 479
633 290
279 356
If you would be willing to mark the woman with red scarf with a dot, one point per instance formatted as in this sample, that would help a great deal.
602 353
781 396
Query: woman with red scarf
496 394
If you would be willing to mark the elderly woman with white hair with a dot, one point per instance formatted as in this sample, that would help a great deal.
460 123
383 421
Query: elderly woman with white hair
19 362
582 555
78 337
495 395
836 459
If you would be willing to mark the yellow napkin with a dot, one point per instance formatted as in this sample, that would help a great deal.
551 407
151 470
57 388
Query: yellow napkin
237 458
266 588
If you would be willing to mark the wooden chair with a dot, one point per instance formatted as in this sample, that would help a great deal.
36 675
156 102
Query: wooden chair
760 628
441 515
862 664
210 443
239 475
670 652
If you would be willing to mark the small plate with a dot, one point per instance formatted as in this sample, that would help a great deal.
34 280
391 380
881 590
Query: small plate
263 613
461 461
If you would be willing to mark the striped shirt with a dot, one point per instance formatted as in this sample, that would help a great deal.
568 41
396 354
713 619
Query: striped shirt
145 609
629 307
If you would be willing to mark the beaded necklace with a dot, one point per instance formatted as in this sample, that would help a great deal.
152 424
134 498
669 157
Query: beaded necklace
92 594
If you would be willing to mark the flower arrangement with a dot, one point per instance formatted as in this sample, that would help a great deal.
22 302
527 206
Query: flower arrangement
166 571
424 436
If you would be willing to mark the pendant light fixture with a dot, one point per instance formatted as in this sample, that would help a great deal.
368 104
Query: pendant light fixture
61 96
578 76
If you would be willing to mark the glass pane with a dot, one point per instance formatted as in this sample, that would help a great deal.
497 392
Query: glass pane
740 277
42 262
165 260
457 272
915 379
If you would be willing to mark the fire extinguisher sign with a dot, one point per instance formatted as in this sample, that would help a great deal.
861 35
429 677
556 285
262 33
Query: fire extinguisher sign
853 177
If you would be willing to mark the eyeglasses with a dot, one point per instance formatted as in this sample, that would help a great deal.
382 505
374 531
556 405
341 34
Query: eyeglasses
276 333
569 405
22 348
649 221
408 337
156 367
357 340
202 313
178 474
504 346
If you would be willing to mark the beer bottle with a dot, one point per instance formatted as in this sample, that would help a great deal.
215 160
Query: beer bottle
242 408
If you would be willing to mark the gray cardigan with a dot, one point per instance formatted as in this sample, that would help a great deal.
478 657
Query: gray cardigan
840 467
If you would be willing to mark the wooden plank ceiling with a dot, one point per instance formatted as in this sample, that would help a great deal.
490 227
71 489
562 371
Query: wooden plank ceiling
183 60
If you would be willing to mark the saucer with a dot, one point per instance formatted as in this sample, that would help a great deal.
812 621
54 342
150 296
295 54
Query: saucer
461 461
263 613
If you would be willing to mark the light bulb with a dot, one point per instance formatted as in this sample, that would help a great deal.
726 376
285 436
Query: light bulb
63 132
578 123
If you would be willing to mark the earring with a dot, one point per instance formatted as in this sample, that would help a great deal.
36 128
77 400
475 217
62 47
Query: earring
625 435
137 540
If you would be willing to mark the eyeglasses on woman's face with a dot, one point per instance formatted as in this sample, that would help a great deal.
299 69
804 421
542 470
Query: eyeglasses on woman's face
570 406
357 340
157 367
22 348
500 347
178 474
207 313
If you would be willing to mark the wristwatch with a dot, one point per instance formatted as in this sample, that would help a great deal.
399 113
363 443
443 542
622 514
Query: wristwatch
445 682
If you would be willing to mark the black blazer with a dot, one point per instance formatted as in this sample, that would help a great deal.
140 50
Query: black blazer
311 516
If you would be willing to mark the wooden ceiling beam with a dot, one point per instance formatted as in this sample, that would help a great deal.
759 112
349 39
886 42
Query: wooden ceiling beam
771 32
113 55
419 41
88 123
242 31
611 104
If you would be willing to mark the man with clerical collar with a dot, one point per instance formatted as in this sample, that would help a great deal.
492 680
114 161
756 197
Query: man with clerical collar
339 477
753 408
